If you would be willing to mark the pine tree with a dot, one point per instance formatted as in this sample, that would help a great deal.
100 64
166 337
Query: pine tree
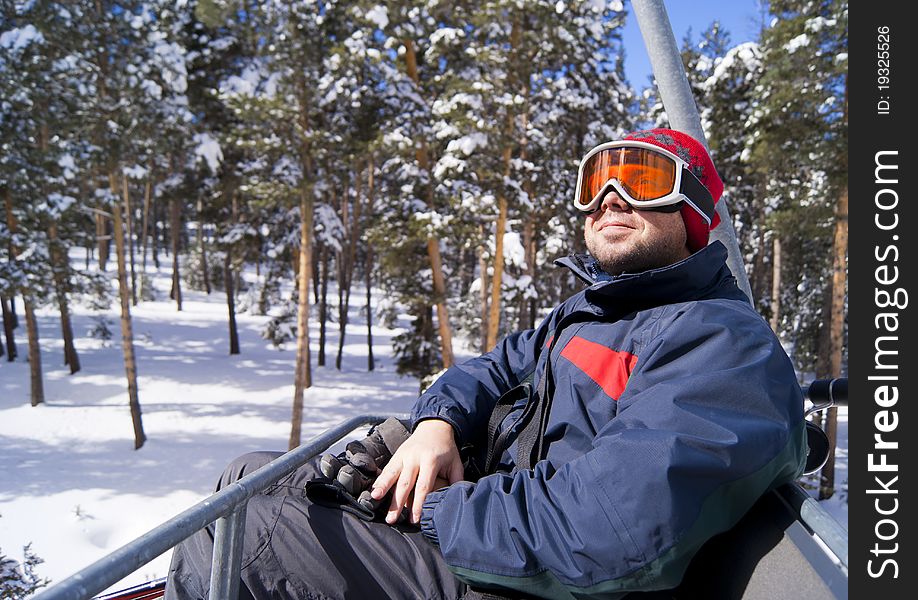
544 84
19 580
413 79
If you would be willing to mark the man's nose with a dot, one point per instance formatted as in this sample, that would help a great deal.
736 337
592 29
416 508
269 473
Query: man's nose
612 201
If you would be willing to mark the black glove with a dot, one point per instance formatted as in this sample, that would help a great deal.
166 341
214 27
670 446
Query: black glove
330 492
350 475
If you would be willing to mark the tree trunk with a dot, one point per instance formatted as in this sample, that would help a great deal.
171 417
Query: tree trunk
174 227
61 287
497 277
530 249
342 310
433 244
316 271
102 239
776 285
127 330
368 267
9 318
37 394
348 270
498 273
501 225
439 285
528 305
836 333
534 268
758 273
13 312
371 362
483 292
303 376
155 230
837 326
11 321
145 228
129 221
230 302
323 303
227 279
202 247
8 326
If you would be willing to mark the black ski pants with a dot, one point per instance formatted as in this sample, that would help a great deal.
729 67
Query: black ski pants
299 550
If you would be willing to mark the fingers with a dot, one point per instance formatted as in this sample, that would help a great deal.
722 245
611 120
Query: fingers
425 483
403 489
330 465
385 480
353 480
425 461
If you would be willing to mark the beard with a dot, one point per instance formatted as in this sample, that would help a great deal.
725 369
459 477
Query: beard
642 255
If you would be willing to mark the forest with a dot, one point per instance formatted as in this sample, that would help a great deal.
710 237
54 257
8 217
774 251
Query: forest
426 151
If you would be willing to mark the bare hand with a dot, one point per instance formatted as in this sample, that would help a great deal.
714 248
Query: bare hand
427 460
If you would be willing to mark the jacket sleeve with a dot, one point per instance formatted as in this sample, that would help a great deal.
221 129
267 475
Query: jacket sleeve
466 394
710 419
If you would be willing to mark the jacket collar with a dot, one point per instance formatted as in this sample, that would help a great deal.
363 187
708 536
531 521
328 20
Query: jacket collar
704 274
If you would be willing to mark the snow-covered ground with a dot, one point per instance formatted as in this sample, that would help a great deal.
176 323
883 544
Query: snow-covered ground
71 483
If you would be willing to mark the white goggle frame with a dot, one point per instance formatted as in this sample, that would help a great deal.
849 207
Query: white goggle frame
673 197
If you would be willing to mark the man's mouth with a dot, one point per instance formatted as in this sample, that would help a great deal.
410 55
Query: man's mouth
614 224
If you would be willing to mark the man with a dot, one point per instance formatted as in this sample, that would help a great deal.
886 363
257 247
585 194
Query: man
644 415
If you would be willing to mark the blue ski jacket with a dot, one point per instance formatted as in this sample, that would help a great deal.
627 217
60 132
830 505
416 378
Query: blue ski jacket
673 409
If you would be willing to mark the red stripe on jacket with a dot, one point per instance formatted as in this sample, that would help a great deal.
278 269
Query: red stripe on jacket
609 368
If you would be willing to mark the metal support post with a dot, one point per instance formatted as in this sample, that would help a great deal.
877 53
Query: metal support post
225 568
679 104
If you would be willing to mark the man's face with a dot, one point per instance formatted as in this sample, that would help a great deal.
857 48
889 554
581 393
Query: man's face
626 240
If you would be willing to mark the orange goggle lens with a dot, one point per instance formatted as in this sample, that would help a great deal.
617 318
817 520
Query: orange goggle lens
643 173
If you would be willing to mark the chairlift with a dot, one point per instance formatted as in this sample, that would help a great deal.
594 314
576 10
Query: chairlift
786 546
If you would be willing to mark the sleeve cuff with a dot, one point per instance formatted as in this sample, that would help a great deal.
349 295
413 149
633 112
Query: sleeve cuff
427 516
453 416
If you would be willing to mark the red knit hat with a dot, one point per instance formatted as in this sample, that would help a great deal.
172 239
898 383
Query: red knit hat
691 151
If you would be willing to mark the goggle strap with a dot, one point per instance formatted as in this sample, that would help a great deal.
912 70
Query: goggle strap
698 195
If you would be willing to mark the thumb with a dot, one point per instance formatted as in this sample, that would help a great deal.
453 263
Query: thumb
456 471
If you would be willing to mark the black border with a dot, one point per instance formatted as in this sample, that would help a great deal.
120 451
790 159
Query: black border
870 131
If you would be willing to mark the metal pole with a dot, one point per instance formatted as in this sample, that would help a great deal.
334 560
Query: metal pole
226 565
820 522
679 104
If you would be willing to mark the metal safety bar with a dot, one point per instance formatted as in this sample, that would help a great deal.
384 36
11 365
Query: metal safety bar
823 394
820 523
226 507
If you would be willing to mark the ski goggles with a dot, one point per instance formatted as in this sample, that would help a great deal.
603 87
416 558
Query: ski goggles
646 176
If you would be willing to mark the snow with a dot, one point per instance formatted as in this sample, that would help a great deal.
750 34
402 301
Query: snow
797 43
379 16
244 84
135 172
447 35
18 38
73 485
68 165
208 149
467 144
746 54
